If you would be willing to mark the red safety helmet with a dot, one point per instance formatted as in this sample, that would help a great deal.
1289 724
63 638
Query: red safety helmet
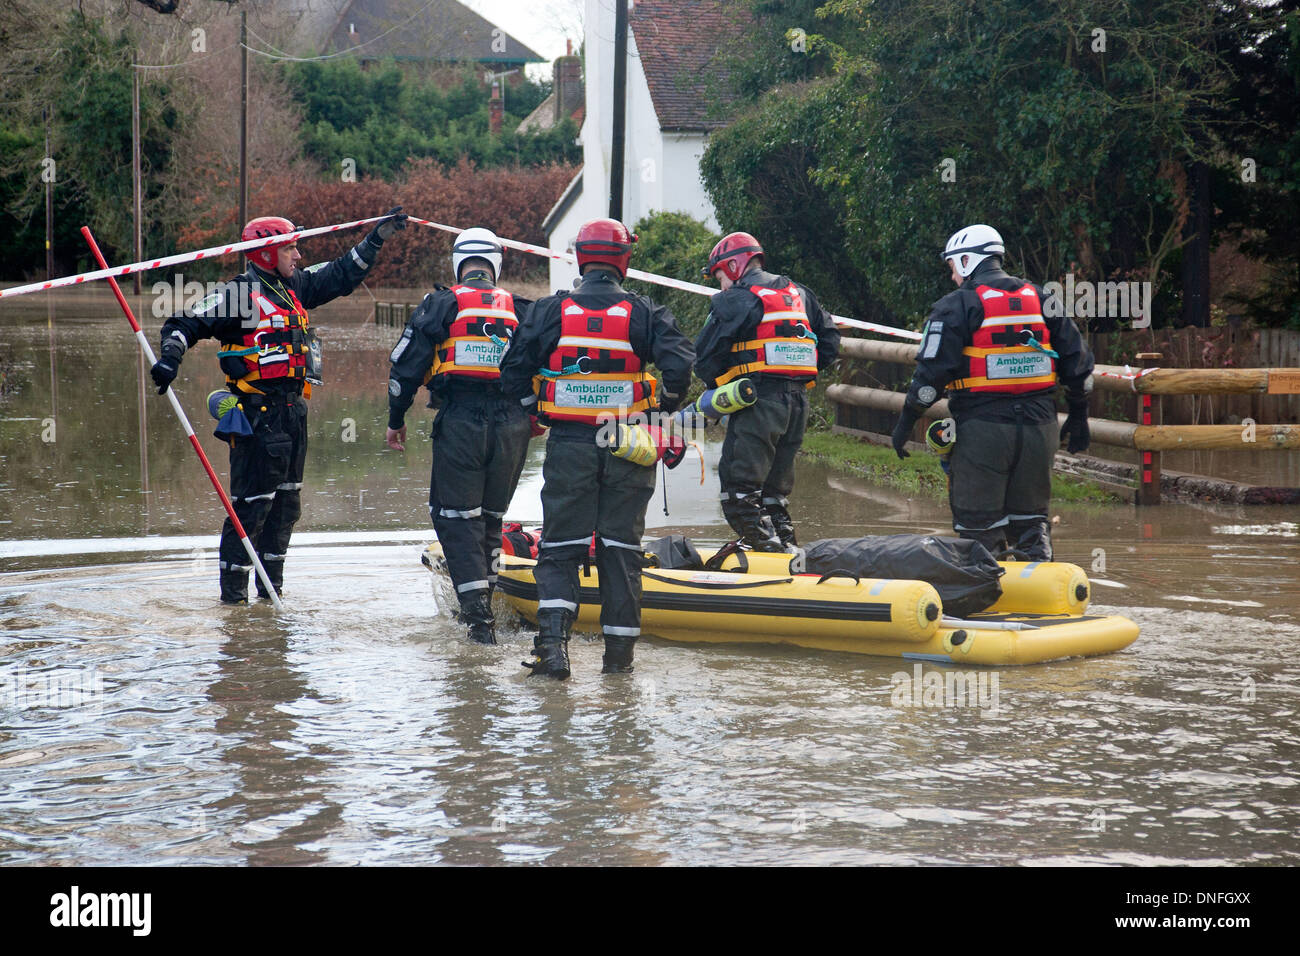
262 228
606 241
732 255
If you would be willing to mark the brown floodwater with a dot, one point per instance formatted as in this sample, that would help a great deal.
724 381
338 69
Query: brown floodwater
141 722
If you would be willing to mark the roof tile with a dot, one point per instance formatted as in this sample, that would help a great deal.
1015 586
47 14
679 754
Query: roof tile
679 42
423 30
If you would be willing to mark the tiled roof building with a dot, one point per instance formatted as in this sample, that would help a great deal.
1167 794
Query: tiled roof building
679 42
441 30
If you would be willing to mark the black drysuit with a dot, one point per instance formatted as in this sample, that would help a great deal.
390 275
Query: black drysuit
266 468
586 487
480 440
756 471
1001 464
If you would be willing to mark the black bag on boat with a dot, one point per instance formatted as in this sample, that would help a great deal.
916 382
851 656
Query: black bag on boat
963 571
674 552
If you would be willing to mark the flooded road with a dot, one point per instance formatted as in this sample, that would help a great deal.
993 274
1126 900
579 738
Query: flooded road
141 722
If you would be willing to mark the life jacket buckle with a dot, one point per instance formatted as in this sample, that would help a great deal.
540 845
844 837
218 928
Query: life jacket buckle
265 349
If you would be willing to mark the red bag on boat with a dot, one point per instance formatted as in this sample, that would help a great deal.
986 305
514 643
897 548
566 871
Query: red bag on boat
517 542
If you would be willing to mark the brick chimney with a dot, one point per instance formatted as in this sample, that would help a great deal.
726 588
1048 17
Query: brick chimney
496 109
568 86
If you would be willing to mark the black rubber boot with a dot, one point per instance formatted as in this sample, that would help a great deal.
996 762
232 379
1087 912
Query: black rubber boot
274 570
234 587
551 646
993 539
758 534
618 654
1031 537
476 611
783 524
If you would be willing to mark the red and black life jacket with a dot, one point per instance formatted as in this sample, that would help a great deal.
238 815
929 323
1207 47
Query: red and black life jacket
593 374
1000 357
784 343
279 347
485 321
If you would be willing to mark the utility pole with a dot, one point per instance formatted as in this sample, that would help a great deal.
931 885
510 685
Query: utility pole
616 160
243 117
49 202
135 171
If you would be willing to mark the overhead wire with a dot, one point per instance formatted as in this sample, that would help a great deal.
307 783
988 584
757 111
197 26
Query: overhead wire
281 55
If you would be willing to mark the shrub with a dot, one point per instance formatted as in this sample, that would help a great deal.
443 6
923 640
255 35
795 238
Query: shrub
673 244
511 201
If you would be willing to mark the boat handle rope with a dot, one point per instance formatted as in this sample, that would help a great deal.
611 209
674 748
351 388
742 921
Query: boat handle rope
838 573
731 547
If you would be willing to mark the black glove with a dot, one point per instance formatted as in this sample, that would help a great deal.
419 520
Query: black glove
164 370
668 402
902 430
1076 428
396 219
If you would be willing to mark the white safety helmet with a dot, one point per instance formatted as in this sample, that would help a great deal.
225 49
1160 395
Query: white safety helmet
971 246
477 243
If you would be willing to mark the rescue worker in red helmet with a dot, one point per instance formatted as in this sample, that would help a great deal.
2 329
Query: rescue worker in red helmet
579 362
1001 348
773 331
271 358
453 342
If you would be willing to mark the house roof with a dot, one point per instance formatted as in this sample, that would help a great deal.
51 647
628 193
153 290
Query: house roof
424 30
543 117
679 42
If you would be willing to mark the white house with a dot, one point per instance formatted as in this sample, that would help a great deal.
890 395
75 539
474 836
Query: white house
672 52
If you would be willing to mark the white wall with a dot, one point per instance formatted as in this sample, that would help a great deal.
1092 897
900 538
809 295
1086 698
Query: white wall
661 171
560 239
682 152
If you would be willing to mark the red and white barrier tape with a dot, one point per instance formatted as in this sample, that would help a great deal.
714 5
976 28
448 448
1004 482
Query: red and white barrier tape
1128 375
215 251
666 281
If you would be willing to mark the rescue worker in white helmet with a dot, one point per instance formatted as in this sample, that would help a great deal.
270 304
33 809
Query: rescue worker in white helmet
774 332
271 358
453 342
1001 355
580 362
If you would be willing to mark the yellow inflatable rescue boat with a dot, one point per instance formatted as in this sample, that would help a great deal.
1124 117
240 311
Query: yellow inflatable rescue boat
757 599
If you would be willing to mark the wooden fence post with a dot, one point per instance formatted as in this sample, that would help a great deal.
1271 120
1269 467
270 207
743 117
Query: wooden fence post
1148 491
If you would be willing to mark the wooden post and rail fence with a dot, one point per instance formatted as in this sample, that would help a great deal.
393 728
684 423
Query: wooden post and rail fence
1148 435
